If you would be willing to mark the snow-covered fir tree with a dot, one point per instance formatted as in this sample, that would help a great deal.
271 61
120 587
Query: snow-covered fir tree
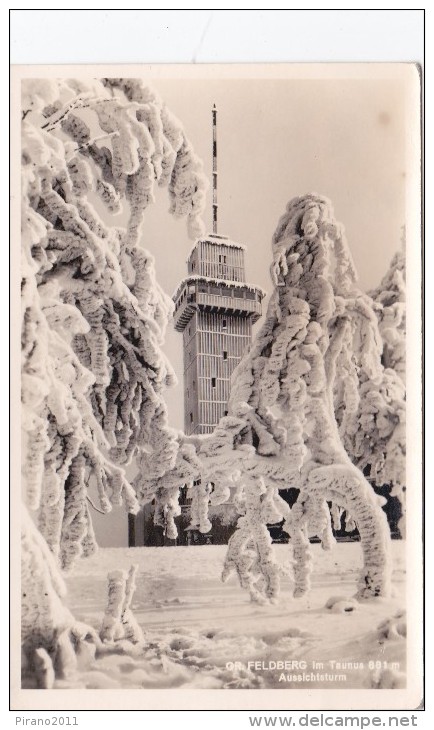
370 403
390 306
309 404
93 320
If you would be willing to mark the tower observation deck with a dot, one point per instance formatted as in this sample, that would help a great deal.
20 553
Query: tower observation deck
214 309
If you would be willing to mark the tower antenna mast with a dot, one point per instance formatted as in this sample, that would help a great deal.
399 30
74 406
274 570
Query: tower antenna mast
214 170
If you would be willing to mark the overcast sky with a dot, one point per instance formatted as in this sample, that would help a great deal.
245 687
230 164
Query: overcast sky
280 138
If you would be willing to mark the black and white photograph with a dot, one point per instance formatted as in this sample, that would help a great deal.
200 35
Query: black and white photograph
217 351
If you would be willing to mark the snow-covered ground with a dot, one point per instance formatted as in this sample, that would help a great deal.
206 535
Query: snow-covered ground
204 634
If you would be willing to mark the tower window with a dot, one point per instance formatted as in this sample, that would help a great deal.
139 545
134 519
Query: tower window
226 413
225 355
213 382
191 417
224 324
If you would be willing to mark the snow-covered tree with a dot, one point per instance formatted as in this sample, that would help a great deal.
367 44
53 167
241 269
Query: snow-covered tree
390 304
370 403
390 307
309 401
93 320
